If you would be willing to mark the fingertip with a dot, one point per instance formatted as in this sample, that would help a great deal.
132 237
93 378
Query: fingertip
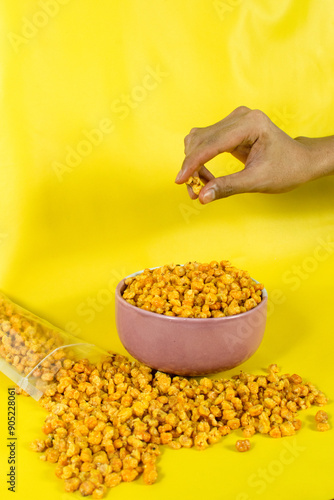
191 193
178 178
208 196
182 175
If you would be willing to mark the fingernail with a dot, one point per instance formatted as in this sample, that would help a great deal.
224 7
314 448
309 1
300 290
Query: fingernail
178 177
210 195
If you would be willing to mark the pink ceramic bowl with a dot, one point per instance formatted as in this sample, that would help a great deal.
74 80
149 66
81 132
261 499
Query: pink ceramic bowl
189 346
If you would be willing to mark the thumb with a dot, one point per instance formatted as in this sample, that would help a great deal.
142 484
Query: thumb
222 187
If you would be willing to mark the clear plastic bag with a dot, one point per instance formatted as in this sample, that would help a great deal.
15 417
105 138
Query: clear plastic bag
32 350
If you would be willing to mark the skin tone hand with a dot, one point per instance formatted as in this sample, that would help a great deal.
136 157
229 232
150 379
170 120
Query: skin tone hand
274 162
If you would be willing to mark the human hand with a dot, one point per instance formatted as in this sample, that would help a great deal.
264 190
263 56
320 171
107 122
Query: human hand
274 162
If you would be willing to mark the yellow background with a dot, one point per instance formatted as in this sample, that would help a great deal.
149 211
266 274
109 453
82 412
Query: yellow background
70 229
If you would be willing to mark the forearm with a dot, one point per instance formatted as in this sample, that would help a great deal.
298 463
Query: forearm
320 152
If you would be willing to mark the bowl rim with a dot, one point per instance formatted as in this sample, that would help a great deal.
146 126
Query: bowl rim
178 318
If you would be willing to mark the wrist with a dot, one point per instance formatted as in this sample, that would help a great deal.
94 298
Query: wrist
320 155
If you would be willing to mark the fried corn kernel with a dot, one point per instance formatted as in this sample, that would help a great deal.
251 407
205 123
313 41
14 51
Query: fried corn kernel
195 291
72 484
117 437
129 475
287 429
249 431
195 183
275 432
321 399
321 416
243 445
38 445
256 410
99 492
86 488
150 474
323 426
297 424
113 479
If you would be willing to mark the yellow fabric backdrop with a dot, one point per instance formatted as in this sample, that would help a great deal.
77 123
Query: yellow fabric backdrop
96 98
